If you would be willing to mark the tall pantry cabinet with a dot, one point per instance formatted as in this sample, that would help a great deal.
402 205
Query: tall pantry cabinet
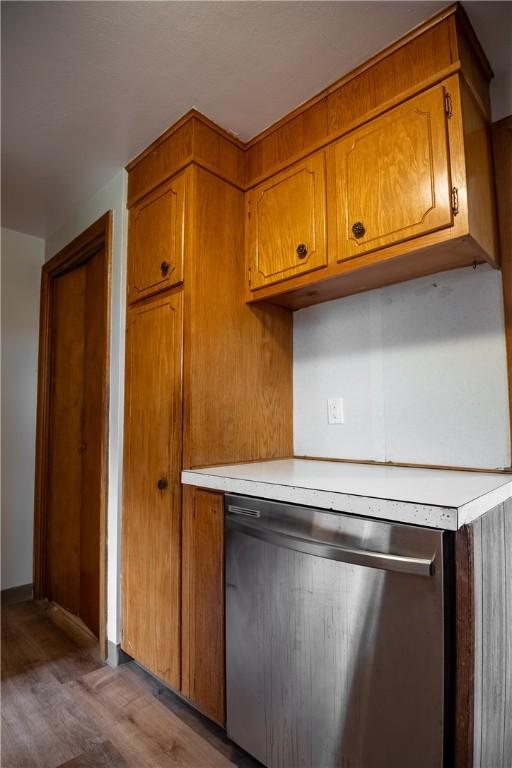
208 381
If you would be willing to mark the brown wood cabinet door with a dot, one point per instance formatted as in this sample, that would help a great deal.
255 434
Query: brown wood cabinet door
151 550
392 177
203 648
156 240
286 223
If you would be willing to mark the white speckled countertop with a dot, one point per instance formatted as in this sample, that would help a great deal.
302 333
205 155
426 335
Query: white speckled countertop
435 498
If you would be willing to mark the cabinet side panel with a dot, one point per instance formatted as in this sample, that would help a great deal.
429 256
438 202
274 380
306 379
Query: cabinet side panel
493 687
238 359
502 150
479 176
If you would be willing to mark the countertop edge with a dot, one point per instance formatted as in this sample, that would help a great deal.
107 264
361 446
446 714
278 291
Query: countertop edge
445 518
468 513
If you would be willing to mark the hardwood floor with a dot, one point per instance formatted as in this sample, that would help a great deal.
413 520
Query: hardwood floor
63 708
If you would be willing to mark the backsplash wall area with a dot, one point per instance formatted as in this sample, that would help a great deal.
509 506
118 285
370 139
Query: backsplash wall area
421 368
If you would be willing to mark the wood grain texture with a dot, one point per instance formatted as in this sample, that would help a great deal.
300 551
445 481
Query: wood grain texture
237 404
203 643
94 435
393 176
193 138
479 176
415 59
443 249
65 461
493 655
443 45
63 708
156 240
92 245
502 152
152 453
474 63
431 254
287 211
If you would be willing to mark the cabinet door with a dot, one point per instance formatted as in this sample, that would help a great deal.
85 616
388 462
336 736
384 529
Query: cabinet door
156 240
203 649
286 223
151 512
393 177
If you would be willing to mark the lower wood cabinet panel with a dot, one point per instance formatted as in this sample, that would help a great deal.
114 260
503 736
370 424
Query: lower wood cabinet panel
203 654
151 541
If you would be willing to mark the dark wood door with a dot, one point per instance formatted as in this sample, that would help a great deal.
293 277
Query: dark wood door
75 437
151 546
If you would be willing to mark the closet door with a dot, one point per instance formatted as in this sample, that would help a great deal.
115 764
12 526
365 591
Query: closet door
75 450
65 487
152 462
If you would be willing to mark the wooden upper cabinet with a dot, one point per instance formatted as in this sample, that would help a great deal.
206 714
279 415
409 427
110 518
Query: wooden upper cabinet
286 223
156 240
151 536
392 177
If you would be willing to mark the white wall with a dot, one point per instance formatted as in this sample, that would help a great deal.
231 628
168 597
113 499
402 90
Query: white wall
111 197
22 257
421 367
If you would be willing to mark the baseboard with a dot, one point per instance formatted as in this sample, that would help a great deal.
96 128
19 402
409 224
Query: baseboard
17 594
115 655
70 623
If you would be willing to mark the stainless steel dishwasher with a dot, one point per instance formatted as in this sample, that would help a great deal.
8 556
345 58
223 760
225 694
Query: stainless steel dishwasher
337 638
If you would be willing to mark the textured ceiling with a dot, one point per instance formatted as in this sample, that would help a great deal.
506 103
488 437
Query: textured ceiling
87 85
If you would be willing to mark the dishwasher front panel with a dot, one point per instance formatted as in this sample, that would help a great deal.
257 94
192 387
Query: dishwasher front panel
334 659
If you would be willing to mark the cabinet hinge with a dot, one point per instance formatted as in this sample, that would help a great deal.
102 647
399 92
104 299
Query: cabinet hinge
250 274
455 200
448 107
248 210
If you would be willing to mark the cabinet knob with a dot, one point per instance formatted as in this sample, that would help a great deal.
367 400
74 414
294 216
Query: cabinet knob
302 251
162 484
358 229
164 268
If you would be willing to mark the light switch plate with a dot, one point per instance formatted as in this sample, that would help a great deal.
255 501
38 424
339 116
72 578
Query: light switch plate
335 410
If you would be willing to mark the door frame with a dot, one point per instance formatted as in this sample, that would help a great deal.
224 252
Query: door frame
96 238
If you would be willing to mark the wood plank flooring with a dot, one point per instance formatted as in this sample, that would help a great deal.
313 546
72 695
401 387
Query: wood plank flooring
63 708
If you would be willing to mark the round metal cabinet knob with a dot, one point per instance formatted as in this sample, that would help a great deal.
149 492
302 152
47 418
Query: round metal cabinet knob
358 229
164 268
162 484
302 251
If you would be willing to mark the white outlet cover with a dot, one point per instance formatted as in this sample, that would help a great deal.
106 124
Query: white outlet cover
335 413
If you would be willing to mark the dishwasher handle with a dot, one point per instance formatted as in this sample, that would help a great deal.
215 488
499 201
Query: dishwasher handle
416 566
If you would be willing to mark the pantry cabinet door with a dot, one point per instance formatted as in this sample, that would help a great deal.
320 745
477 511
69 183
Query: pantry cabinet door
392 177
286 223
151 535
156 240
